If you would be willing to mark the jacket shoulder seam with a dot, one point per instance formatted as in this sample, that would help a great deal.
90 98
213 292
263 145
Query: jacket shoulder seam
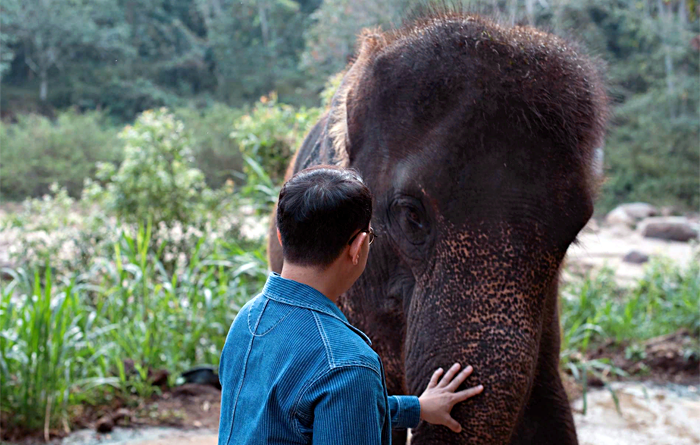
324 339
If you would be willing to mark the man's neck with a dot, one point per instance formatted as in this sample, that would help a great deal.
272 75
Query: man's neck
324 281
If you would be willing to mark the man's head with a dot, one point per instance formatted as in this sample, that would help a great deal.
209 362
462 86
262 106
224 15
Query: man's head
322 213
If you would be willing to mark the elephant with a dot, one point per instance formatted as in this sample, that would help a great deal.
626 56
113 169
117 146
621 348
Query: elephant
478 141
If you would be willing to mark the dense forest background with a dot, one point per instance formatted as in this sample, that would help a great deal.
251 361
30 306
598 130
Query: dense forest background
75 71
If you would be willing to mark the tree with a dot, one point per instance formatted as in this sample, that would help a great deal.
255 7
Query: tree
256 45
331 39
6 40
51 33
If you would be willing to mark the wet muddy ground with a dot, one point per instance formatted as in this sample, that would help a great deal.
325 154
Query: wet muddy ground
650 414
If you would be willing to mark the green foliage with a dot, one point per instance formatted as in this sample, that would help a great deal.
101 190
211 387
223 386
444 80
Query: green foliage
48 349
216 154
596 311
636 172
62 341
256 45
652 149
52 34
272 133
157 180
6 40
664 301
37 152
331 40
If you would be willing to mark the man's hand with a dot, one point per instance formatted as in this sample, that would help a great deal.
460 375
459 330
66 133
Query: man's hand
439 397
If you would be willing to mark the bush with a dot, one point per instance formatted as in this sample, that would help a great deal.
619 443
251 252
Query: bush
157 180
37 152
216 154
272 133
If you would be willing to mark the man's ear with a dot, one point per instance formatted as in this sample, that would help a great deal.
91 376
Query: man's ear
279 236
356 248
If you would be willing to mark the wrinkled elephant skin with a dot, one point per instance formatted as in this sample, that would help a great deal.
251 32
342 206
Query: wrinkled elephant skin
478 142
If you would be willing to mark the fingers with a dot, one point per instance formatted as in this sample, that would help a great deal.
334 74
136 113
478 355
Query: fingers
453 425
449 375
434 379
463 395
461 377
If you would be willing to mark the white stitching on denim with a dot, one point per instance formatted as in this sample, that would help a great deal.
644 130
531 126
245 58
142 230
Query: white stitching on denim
275 297
274 325
324 339
262 311
310 383
302 392
245 366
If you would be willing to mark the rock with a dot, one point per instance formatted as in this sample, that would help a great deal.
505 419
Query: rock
670 211
591 227
629 214
639 210
120 414
159 377
193 389
636 257
617 217
204 374
669 228
105 424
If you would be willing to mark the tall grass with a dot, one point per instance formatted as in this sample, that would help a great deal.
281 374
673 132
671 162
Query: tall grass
596 311
666 299
60 341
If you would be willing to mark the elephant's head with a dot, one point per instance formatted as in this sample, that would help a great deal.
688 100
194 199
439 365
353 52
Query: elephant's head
478 143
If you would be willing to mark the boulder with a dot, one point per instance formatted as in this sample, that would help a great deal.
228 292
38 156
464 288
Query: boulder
636 257
669 228
591 227
618 217
629 214
640 210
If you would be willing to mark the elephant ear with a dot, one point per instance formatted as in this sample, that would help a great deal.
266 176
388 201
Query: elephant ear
345 117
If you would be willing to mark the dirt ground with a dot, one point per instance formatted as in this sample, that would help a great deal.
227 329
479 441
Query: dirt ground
660 410
650 414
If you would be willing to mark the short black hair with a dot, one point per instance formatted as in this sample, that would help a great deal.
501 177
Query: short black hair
319 209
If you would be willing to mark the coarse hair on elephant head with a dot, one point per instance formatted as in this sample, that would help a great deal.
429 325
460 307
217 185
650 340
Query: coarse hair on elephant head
478 142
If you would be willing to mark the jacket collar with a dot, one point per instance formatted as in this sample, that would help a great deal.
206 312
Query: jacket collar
301 295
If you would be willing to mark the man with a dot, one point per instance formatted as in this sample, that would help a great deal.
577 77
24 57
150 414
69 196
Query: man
293 370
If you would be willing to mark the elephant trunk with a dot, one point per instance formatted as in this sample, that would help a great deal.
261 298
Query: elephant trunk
479 307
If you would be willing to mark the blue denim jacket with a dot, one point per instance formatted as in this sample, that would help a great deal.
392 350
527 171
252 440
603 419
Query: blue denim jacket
294 371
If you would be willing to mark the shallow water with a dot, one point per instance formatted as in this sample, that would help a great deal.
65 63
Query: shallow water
142 436
651 415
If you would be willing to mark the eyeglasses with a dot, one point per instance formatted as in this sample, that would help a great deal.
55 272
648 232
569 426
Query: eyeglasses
369 231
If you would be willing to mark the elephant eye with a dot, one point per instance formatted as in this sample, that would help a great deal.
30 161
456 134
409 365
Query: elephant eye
409 215
414 218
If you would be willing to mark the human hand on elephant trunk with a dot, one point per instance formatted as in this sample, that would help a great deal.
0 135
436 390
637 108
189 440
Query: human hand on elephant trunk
440 396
